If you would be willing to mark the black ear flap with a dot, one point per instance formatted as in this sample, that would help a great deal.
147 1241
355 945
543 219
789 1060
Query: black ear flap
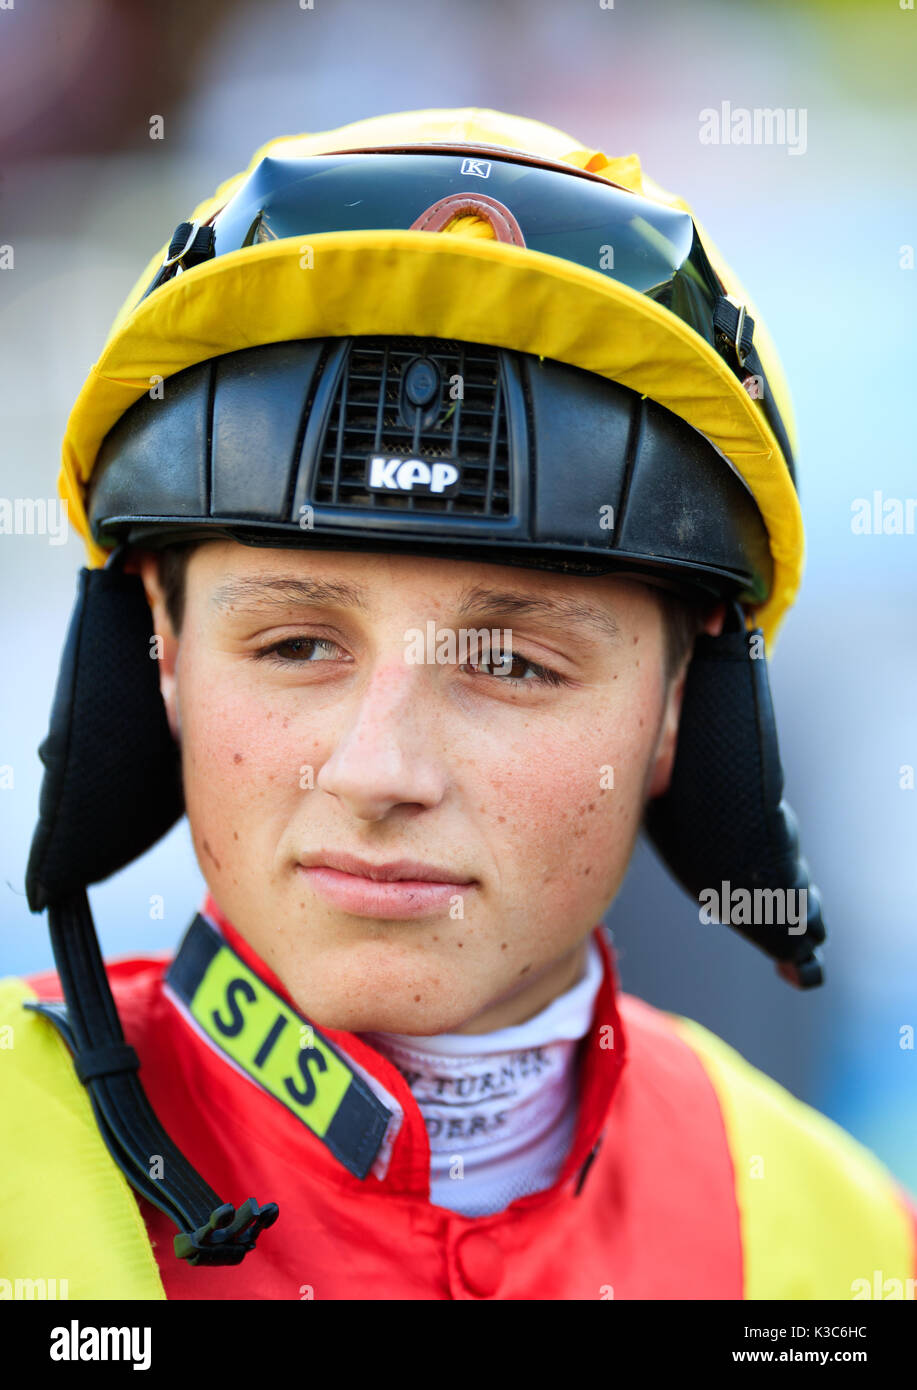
722 825
112 783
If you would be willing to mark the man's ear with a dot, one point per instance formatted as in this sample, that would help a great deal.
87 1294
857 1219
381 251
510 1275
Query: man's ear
146 564
667 742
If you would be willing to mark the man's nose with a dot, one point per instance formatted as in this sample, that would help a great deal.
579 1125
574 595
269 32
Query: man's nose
385 754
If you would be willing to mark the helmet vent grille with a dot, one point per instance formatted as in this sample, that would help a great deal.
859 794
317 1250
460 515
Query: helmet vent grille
466 425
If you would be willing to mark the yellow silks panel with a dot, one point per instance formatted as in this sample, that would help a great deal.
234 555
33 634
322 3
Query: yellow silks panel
451 286
68 1211
819 1214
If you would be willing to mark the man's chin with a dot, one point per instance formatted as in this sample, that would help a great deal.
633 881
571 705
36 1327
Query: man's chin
368 1014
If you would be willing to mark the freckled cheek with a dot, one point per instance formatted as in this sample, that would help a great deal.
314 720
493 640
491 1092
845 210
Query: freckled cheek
607 805
568 811
237 750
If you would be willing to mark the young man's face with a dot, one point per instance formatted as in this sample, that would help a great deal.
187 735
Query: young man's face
307 730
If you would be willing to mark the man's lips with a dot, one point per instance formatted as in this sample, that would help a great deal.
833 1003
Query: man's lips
403 888
395 870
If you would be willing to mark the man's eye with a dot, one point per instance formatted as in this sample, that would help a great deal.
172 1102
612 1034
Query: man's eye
502 669
296 651
304 651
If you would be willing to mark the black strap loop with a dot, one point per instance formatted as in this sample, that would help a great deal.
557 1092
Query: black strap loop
735 327
734 330
187 249
105 1061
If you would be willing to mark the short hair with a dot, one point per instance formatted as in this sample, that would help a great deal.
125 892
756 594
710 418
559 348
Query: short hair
684 615
172 565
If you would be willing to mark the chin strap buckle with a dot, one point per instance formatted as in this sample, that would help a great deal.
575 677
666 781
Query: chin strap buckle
228 1236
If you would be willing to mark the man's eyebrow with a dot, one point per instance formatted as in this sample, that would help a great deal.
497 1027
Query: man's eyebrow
482 601
479 601
283 589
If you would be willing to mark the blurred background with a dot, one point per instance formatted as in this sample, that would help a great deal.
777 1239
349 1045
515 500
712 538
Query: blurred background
823 236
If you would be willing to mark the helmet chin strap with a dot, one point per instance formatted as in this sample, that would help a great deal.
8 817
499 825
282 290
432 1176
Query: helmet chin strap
211 1232
109 740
